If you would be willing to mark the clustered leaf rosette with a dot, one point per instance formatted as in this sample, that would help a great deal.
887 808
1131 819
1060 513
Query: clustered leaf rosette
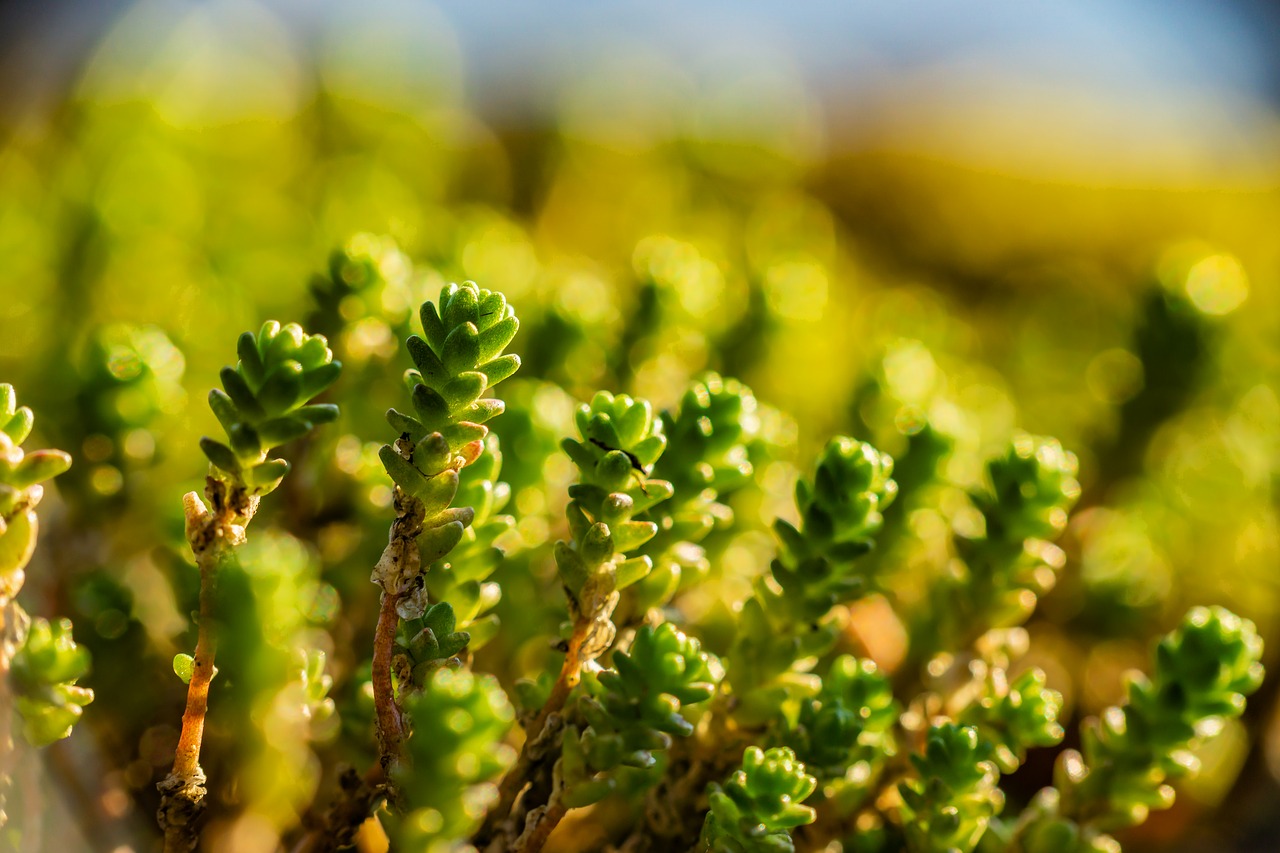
267 402
430 640
756 809
845 732
948 805
1203 671
21 475
1008 564
705 460
458 360
44 672
1032 487
788 620
454 754
1013 716
840 513
620 442
629 713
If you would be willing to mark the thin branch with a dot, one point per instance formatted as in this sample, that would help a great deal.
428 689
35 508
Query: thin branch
356 801
213 534
398 573
390 720
534 748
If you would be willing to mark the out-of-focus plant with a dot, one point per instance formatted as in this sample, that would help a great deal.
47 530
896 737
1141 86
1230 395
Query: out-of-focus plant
730 668
40 663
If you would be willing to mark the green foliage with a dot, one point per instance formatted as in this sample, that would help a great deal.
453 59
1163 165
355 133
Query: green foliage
1032 487
948 805
706 459
42 659
315 683
632 711
1203 671
45 670
620 442
846 731
464 579
21 472
840 513
267 402
756 809
430 639
1007 560
874 699
1013 716
460 358
788 621
460 720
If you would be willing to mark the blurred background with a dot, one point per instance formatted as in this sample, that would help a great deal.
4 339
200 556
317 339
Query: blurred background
971 217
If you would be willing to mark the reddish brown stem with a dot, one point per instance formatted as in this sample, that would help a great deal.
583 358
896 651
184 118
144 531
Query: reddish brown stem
518 775
389 720
213 534
187 755
536 838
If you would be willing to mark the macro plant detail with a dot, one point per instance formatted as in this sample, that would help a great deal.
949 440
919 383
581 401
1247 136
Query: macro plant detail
266 403
460 358
759 805
567 667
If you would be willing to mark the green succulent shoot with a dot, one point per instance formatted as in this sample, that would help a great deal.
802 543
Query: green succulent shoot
756 809
840 512
430 640
946 808
845 732
1033 486
21 475
45 669
267 402
620 442
1010 561
633 710
460 358
705 460
1013 716
464 578
787 622
1203 671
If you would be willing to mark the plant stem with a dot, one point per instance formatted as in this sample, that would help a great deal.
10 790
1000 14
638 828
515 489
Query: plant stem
187 756
519 774
213 535
398 573
533 839
389 719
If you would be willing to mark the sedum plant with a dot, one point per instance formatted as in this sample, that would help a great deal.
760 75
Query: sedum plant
630 651
759 805
266 402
